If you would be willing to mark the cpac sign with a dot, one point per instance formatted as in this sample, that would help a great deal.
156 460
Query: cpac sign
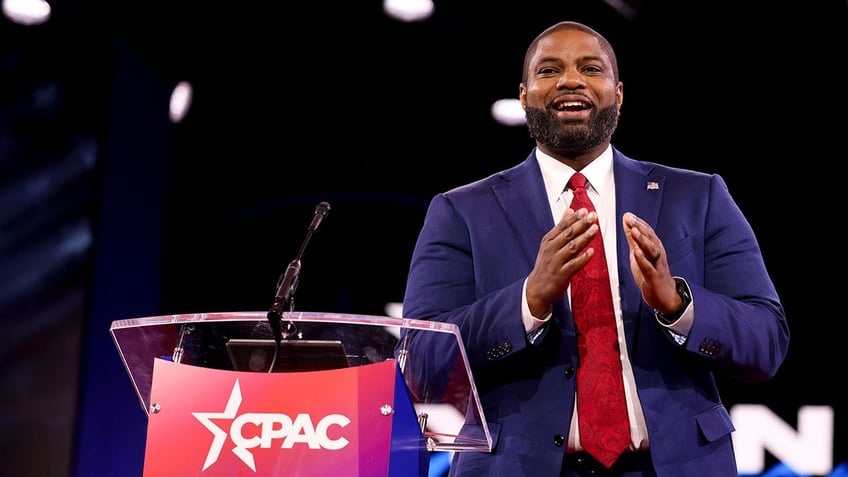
216 423
270 427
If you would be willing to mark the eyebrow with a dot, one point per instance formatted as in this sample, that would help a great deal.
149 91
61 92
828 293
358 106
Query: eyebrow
555 59
597 58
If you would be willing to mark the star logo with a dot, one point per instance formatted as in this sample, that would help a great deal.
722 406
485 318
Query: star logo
220 436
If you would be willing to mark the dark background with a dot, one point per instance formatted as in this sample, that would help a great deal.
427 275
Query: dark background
109 211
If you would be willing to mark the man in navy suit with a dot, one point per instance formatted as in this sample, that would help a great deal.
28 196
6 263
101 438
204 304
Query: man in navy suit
692 295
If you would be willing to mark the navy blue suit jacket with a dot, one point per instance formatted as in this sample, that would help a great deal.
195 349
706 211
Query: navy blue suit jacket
479 242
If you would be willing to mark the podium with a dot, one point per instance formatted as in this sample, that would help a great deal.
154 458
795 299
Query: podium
342 394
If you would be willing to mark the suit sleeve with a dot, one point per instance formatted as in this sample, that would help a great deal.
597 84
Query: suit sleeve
444 284
739 321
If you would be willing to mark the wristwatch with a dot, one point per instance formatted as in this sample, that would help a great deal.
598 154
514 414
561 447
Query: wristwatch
685 296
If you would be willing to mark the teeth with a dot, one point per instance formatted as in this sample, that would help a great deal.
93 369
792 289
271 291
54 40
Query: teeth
569 104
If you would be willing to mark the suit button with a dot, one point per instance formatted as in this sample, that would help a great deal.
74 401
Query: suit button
709 348
569 371
559 440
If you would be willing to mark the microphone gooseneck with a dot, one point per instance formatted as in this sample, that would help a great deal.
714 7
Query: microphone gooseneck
288 281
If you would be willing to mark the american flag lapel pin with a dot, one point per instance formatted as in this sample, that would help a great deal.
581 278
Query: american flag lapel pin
652 185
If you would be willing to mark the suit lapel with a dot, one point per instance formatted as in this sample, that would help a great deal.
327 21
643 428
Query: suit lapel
522 198
638 190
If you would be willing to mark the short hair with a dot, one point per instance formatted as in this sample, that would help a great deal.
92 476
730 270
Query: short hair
568 25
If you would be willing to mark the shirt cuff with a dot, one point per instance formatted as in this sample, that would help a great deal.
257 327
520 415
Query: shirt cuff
532 324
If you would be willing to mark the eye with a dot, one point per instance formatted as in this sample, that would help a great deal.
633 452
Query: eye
546 71
592 69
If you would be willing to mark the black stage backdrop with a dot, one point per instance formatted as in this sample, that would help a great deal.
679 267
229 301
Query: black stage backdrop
109 211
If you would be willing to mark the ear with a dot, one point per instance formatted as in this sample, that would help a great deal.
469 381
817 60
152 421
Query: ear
619 93
522 95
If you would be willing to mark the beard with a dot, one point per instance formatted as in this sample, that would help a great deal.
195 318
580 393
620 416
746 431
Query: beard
571 139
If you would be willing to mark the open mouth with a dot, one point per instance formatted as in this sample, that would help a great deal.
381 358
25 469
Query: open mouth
571 105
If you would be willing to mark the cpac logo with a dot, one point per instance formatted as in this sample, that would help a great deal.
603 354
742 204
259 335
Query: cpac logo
271 426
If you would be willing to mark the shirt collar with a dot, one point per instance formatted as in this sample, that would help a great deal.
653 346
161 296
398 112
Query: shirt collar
556 174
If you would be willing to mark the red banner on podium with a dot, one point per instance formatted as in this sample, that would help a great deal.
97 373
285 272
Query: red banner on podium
217 423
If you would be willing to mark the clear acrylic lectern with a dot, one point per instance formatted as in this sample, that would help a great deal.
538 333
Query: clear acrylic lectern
446 409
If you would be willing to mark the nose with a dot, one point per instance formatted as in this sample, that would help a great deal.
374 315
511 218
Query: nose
570 79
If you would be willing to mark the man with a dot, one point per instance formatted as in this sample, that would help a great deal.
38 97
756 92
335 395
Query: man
691 294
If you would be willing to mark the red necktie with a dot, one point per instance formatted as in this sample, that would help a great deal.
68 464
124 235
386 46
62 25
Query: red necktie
602 412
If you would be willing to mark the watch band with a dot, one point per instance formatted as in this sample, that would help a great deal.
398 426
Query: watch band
685 296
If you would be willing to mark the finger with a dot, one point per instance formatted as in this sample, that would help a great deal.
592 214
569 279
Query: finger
643 240
573 240
656 257
632 220
635 227
570 216
649 250
567 220
637 220
643 233
572 225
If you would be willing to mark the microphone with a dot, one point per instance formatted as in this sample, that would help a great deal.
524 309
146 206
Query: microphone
321 211
288 281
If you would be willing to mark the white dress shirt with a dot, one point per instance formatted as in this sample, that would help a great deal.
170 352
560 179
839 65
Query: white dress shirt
601 190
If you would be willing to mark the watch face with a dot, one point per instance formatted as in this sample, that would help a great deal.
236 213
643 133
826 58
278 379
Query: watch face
683 290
